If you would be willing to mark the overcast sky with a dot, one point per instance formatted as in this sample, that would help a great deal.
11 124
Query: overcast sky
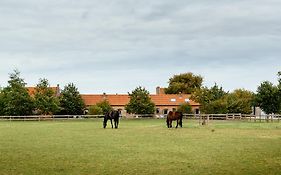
114 46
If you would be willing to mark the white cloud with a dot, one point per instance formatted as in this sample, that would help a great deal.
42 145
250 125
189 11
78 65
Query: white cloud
113 46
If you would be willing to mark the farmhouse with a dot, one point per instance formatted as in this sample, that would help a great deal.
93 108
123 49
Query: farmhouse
163 102
55 89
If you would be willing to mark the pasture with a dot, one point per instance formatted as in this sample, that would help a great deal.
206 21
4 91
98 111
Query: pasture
139 146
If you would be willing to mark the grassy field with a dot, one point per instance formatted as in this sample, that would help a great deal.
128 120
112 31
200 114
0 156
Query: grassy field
143 146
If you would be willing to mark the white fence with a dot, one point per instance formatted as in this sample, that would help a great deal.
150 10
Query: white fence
199 117
240 117
49 117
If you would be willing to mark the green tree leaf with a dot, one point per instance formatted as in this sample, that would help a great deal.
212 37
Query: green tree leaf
268 97
95 110
185 108
46 102
71 102
105 106
184 83
140 102
15 98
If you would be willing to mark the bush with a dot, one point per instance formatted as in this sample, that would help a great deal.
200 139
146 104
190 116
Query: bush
95 110
185 108
105 106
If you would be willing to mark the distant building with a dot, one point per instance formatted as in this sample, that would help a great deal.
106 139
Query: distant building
56 90
163 102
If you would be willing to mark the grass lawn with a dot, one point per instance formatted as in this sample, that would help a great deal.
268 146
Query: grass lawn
143 146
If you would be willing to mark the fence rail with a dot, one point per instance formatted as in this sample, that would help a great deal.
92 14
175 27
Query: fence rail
240 117
49 117
200 117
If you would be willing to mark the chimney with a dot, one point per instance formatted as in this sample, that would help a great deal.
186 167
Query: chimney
157 90
58 90
160 90
104 95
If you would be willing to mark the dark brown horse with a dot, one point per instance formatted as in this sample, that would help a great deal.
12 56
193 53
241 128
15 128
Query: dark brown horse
112 115
174 116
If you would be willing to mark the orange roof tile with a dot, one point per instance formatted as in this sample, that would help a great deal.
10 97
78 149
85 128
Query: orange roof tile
31 90
114 100
122 100
172 99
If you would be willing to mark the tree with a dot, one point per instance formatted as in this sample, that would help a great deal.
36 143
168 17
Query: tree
279 78
15 98
184 83
240 101
268 97
71 102
1 103
279 90
95 110
211 100
140 102
218 106
105 106
46 102
185 108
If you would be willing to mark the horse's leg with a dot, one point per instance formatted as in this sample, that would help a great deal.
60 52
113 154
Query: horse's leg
167 121
181 122
104 122
177 123
117 123
111 123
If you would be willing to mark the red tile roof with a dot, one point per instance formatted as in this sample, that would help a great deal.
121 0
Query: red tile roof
122 100
172 99
114 100
31 90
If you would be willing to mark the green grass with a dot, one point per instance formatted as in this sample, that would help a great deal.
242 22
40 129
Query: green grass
142 146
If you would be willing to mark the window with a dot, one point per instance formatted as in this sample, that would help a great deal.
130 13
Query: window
186 100
157 110
173 100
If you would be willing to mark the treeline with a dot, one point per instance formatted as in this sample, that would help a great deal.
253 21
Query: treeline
215 100
15 100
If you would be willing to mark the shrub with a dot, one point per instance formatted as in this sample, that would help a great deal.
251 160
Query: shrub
95 110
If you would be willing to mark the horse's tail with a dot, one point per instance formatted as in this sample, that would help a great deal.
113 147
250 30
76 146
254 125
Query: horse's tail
180 122
104 120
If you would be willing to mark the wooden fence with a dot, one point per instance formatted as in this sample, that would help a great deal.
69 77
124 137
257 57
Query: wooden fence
48 117
202 118
205 118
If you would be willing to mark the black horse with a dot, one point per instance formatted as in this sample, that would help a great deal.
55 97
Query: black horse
174 116
112 115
